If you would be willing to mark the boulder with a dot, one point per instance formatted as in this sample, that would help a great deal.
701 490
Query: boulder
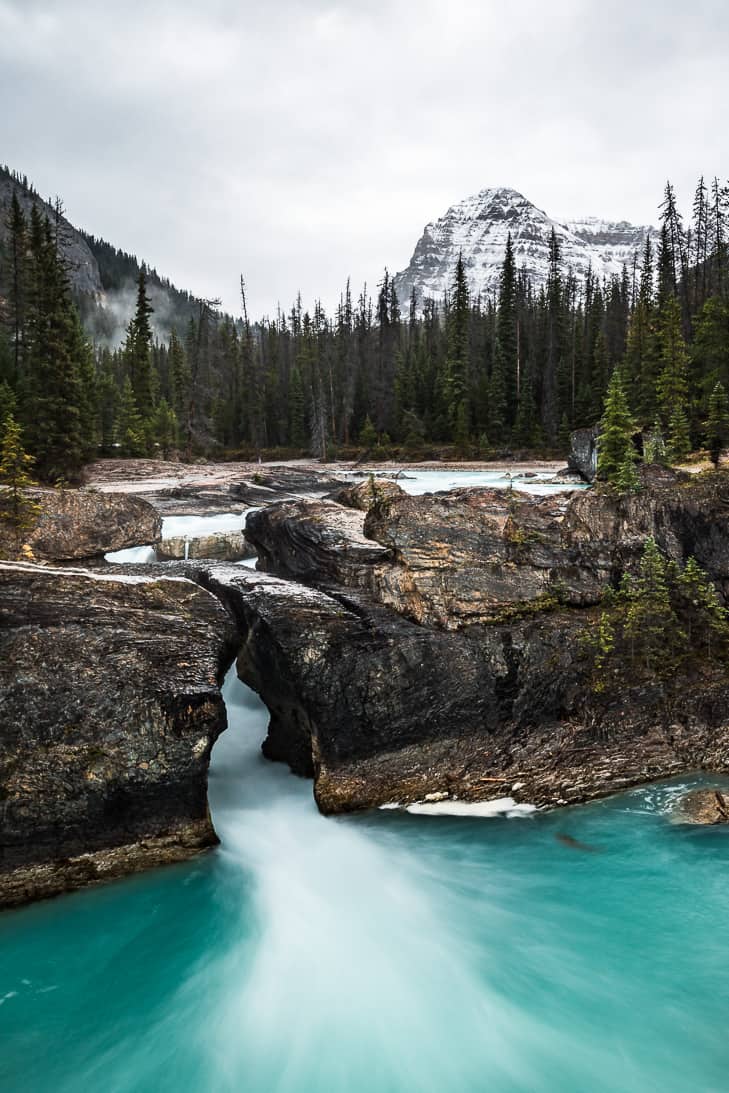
223 546
365 495
109 706
582 456
702 806
314 540
76 524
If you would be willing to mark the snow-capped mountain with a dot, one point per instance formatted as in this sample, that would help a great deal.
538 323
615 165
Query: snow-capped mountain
478 228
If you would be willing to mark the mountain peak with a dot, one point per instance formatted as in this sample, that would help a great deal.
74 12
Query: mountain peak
478 227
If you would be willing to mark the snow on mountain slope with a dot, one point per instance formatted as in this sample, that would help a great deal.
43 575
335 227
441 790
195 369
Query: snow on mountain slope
478 228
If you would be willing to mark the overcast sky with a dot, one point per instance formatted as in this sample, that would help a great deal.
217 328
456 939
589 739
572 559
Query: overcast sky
304 142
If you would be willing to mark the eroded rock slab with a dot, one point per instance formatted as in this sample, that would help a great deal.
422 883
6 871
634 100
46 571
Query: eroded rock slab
379 709
474 556
72 525
224 546
109 706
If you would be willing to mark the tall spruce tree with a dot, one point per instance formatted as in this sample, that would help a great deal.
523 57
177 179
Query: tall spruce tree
615 443
52 393
457 364
138 349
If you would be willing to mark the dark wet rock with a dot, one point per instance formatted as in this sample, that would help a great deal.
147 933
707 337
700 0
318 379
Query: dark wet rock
380 709
702 806
582 457
109 706
314 540
78 524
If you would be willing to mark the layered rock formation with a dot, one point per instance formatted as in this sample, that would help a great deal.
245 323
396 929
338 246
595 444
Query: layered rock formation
479 556
109 706
72 525
223 546
444 646
436 646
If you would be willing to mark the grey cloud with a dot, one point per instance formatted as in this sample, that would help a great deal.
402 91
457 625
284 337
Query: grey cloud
302 142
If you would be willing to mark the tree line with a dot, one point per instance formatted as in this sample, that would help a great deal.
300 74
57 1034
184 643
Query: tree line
518 369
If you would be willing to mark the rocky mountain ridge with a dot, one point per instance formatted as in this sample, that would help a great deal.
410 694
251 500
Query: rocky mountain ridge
478 227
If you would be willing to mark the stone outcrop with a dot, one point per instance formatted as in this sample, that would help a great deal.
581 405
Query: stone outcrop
406 648
482 556
109 706
72 525
379 709
222 546
703 806
314 540
443 646
582 457
368 493
178 489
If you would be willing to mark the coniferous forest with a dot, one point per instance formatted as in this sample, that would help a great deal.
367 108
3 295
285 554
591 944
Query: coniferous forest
645 352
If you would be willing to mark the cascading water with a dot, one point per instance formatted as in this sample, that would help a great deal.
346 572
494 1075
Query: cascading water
386 953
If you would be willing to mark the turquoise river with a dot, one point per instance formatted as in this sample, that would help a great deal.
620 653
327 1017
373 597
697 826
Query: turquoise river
385 953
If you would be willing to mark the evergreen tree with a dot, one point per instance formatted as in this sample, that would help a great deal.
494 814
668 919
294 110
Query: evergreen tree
52 394
297 411
651 624
130 435
17 510
457 361
138 349
506 363
717 425
615 443
164 428
626 480
368 434
700 610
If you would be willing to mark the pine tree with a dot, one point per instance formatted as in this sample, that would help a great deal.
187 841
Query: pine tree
130 435
52 394
164 428
297 411
17 510
138 349
506 361
651 623
179 378
457 360
717 425
700 609
626 480
368 434
615 443
17 228
678 445
672 388
8 401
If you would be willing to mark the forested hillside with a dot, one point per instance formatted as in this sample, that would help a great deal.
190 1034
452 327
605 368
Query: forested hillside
517 370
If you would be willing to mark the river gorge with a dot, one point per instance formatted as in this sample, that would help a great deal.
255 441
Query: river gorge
415 932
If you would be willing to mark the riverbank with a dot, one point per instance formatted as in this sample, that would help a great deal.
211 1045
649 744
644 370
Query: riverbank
143 475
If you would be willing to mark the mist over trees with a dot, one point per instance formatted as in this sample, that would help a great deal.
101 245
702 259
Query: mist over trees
517 370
